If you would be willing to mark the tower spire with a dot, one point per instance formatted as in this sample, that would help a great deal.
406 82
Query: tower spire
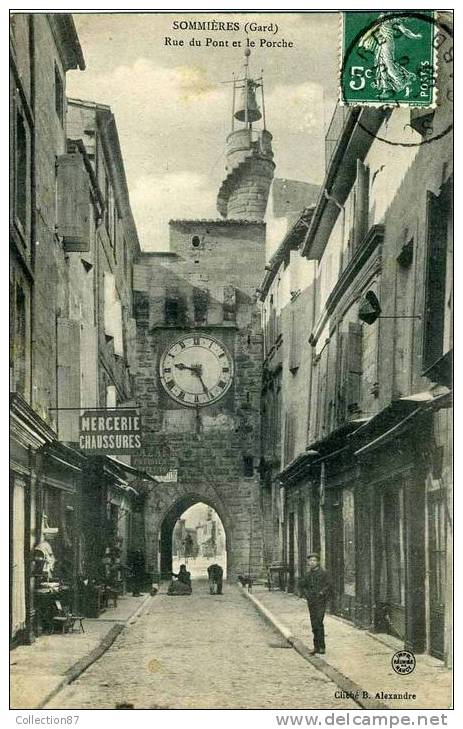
244 192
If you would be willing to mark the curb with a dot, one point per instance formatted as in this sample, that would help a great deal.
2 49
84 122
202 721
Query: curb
86 661
345 684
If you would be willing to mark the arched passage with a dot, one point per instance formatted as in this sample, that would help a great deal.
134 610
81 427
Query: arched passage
199 540
169 522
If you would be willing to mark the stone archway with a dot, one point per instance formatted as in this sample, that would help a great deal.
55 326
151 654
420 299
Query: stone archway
167 527
166 503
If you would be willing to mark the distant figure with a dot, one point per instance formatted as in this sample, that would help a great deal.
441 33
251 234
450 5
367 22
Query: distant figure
138 572
215 574
245 581
316 589
183 584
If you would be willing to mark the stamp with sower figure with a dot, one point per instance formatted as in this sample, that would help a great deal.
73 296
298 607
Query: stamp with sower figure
389 58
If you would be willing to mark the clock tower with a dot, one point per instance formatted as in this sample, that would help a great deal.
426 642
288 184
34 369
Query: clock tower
199 353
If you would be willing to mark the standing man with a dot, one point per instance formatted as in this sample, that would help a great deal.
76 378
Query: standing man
316 589
215 574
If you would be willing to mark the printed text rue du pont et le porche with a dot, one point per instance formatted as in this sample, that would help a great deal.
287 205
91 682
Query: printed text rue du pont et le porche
212 25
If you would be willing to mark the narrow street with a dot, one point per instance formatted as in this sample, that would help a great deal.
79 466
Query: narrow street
200 652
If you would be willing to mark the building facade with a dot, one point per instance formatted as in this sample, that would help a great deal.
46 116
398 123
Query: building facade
369 483
72 243
42 49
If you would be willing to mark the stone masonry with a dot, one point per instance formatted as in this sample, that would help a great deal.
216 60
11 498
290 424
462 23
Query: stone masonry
244 193
214 449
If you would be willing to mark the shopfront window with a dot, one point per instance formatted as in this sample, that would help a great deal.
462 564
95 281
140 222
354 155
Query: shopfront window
348 515
58 530
392 582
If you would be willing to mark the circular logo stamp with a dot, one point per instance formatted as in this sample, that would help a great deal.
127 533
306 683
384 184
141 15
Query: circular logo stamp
403 662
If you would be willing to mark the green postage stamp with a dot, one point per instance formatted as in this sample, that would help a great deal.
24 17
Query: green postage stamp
388 58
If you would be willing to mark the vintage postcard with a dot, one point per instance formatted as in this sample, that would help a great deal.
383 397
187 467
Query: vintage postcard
231 338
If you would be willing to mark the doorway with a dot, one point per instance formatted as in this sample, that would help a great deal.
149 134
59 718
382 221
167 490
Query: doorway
437 560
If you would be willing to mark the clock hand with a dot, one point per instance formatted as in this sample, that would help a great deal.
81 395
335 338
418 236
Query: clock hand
196 371
202 383
181 366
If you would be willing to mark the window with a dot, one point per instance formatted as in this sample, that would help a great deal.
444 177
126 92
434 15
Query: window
111 396
200 304
437 314
20 189
349 358
175 311
59 95
248 466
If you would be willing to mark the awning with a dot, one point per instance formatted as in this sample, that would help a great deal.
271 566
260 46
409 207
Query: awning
318 451
131 469
396 418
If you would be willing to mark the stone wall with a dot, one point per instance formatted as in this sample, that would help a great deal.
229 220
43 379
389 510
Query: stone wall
211 448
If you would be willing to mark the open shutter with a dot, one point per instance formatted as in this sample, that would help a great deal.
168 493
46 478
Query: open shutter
361 203
68 344
295 340
109 302
73 202
342 351
354 368
434 319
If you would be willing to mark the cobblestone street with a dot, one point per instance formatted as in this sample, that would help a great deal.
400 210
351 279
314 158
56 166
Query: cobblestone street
198 652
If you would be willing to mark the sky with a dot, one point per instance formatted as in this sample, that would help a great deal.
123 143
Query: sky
173 111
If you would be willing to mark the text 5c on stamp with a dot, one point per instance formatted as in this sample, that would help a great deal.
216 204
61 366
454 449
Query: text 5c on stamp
388 58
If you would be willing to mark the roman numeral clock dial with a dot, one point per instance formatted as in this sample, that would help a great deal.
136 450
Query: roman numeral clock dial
196 370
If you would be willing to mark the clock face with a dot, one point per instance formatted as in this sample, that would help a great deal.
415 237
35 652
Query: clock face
196 370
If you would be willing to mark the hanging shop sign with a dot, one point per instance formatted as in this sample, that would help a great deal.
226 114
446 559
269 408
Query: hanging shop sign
110 432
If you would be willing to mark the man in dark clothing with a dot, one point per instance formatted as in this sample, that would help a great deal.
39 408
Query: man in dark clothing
316 588
215 574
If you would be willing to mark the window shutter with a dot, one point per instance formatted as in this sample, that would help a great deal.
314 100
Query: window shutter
68 344
438 211
73 203
289 437
342 350
118 341
354 368
361 203
109 300
295 341
132 344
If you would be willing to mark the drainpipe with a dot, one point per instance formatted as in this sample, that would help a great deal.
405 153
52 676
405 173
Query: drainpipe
57 316
33 197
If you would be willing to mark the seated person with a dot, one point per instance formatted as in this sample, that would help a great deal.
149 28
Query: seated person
215 574
183 584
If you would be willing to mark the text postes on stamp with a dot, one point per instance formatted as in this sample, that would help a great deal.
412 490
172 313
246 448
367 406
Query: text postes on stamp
388 58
